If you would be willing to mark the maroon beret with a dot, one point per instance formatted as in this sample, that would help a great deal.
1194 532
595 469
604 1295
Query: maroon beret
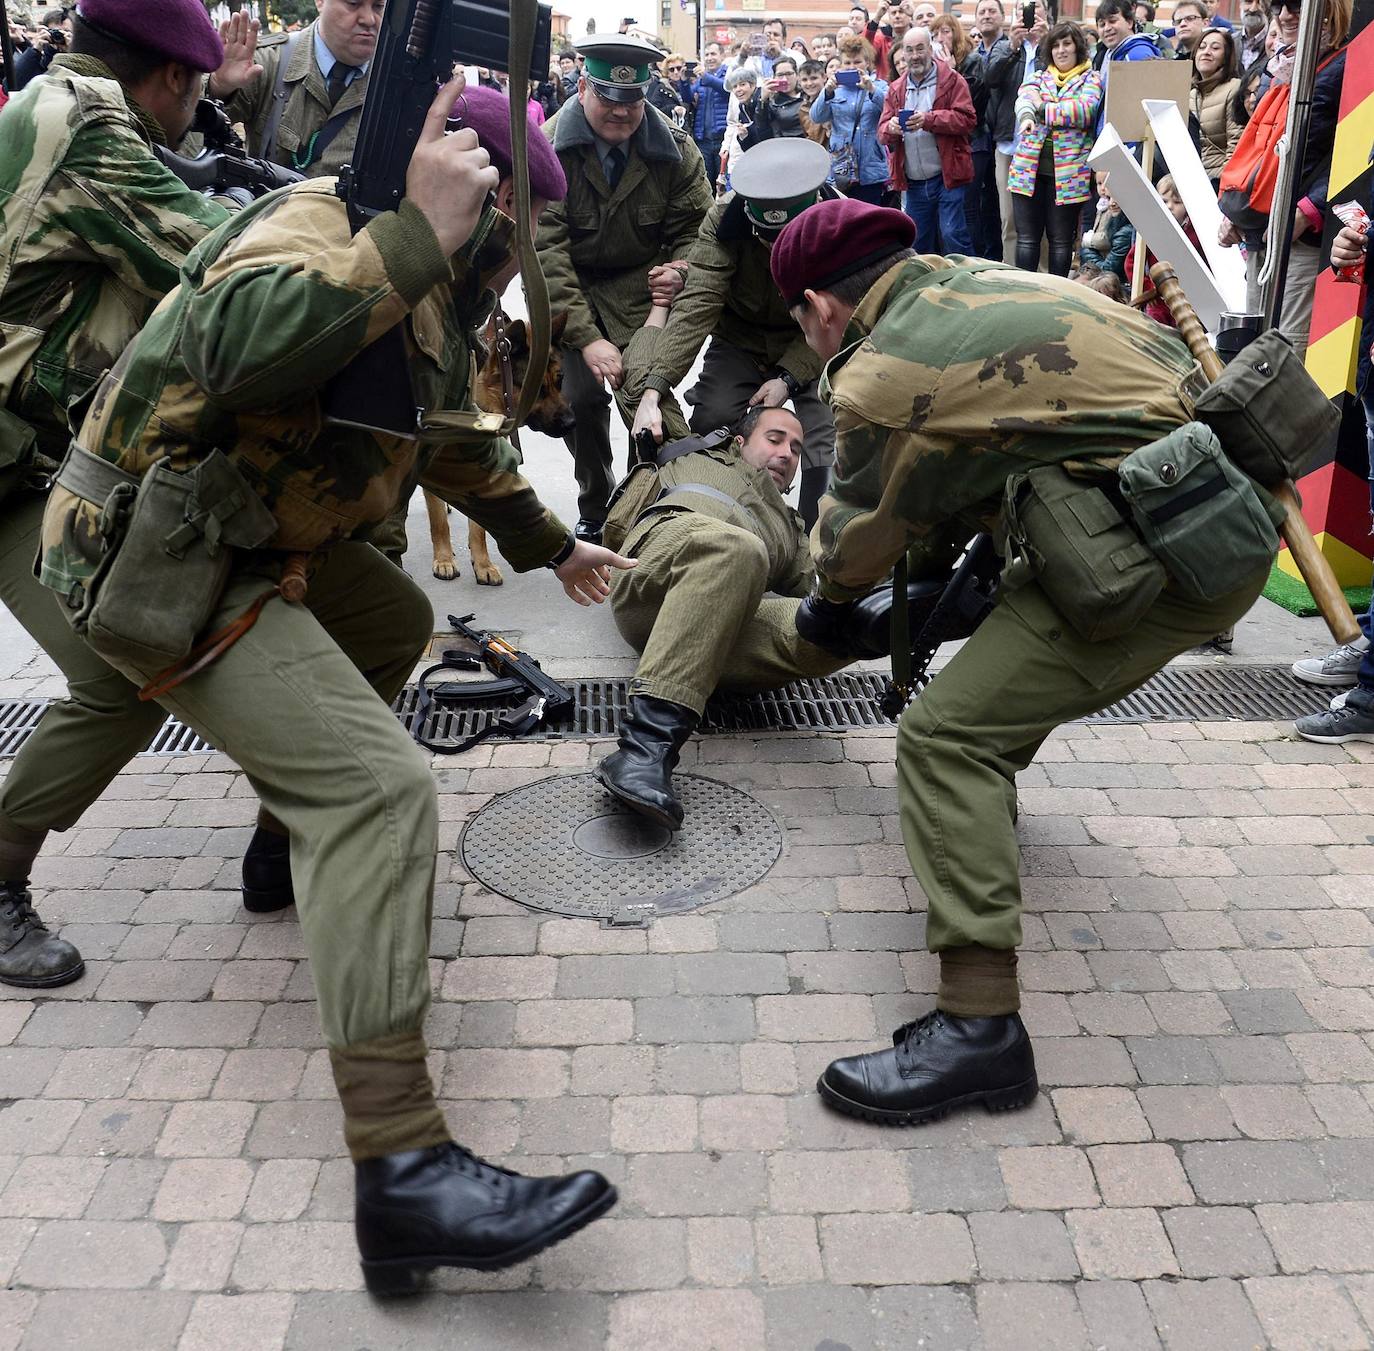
180 30
833 240
487 112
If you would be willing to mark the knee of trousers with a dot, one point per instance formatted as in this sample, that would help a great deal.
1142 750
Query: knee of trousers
412 619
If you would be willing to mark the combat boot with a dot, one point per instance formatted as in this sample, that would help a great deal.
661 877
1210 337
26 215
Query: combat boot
640 773
30 956
445 1207
267 872
936 1064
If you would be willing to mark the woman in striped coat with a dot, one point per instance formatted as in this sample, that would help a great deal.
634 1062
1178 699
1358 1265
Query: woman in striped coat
1056 111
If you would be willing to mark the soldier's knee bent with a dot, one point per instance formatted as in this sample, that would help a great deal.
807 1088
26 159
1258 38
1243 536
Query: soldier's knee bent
412 618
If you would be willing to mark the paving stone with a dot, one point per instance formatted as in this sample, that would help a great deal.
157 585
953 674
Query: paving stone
1305 1311
202 1256
1327 1236
203 1189
729 973
1254 1060
281 1189
233 1322
107 1320
80 1025
823 1316
859 1180
1015 1317
573 1022
957 1178
1267 1011
115 1126
1140 1175
207 1024
697 1183
566 1126
1182 1113
1117 1317
506 1074
1100 1115
768 1067
1013 1246
302 1255
202 1129
878 1249
747 1121
1047 1178
1189 1013
126 1189
1173 1060
613 1069
1218 1241
720 1250
1073 1061
1246 1171
171 1075
687 1320
1332 1057
701 1018
1271 1111
93 1255
1208 1315
654 1124
47 1186
788 1249
1120 1244
696 1068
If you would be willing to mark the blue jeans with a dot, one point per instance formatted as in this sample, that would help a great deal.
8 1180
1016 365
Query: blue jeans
941 221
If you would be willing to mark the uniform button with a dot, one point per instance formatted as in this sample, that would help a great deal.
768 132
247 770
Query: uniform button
1055 635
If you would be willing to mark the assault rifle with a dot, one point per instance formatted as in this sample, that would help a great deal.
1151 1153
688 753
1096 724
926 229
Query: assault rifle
517 673
224 167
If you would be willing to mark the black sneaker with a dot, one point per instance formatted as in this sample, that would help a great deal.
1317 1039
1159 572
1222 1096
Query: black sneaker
1343 723
445 1207
936 1064
30 956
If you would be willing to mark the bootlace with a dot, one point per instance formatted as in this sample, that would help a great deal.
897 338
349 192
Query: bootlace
911 1035
465 1161
16 908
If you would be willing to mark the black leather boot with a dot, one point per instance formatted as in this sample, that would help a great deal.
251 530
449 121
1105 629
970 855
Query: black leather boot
936 1064
640 773
444 1207
30 956
267 873
588 530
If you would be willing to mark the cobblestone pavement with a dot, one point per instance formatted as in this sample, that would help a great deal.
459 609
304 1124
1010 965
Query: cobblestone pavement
1198 1170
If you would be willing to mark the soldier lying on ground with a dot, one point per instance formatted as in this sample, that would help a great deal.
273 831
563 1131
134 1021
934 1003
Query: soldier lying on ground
971 396
222 396
712 534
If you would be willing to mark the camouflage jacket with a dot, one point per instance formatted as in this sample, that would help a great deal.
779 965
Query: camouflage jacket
305 108
597 246
730 294
92 231
238 356
944 390
761 510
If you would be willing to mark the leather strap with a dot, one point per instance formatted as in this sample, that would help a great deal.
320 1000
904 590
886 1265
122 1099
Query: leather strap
900 630
268 147
706 490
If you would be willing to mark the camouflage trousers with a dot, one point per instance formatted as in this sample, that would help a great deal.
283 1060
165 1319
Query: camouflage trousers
982 720
695 611
301 703
84 740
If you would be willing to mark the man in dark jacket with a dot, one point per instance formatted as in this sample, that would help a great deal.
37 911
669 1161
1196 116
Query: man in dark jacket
711 105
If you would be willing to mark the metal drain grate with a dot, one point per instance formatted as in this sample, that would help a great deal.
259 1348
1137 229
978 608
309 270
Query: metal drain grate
1183 693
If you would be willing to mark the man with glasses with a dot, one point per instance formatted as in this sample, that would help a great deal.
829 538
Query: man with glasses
637 192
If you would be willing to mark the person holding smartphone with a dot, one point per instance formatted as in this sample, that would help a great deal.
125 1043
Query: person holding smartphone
780 106
851 102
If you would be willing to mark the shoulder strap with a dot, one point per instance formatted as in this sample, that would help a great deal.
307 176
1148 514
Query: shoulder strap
269 133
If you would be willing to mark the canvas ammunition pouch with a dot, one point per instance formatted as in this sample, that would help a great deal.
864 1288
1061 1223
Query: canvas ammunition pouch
169 541
1071 538
1199 515
1269 413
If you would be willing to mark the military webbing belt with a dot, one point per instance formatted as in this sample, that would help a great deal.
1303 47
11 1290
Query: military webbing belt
90 477
705 490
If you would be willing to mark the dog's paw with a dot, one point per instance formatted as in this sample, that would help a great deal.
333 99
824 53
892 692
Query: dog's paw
487 574
446 569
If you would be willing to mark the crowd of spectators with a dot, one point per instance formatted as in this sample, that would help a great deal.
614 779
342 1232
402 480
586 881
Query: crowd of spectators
979 124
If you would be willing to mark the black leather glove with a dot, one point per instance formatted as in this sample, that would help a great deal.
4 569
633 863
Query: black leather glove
826 623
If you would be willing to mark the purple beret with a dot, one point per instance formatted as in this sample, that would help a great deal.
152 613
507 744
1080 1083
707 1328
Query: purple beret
180 30
487 112
833 240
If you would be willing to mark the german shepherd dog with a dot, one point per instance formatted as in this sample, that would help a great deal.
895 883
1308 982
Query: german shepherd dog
551 416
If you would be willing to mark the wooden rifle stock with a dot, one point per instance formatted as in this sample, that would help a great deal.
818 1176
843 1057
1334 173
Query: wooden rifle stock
1316 571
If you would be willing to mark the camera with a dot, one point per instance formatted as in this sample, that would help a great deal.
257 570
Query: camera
57 37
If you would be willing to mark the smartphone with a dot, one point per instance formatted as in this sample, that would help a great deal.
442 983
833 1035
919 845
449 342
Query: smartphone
777 85
1028 16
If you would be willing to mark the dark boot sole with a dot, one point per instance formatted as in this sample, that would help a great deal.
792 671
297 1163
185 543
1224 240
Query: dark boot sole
995 1100
644 809
263 902
45 982
406 1275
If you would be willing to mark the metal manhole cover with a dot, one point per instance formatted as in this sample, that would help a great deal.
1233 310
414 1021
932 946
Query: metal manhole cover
566 846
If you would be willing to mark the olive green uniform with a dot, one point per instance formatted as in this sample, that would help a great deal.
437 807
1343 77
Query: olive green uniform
239 358
299 105
597 248
945 387
92 230
718 538
731 298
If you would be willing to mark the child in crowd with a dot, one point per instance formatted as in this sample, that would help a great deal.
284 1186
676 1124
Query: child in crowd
1156 308
1106 245
811 78
1108 283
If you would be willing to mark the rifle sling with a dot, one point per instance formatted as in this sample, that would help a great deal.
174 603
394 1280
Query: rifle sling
900 622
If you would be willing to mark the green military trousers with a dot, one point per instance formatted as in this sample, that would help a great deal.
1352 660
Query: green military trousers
295 703
694 609
983 718
84 740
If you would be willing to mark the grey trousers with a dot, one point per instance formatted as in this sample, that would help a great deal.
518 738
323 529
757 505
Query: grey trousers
84 740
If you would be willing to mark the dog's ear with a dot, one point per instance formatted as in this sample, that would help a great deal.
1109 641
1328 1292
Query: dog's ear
515 331
560 322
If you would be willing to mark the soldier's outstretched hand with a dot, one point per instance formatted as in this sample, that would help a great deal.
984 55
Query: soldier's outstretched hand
239 67
450 174
586 572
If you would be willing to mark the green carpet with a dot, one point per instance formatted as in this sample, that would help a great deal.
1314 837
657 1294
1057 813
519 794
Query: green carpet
1294 596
